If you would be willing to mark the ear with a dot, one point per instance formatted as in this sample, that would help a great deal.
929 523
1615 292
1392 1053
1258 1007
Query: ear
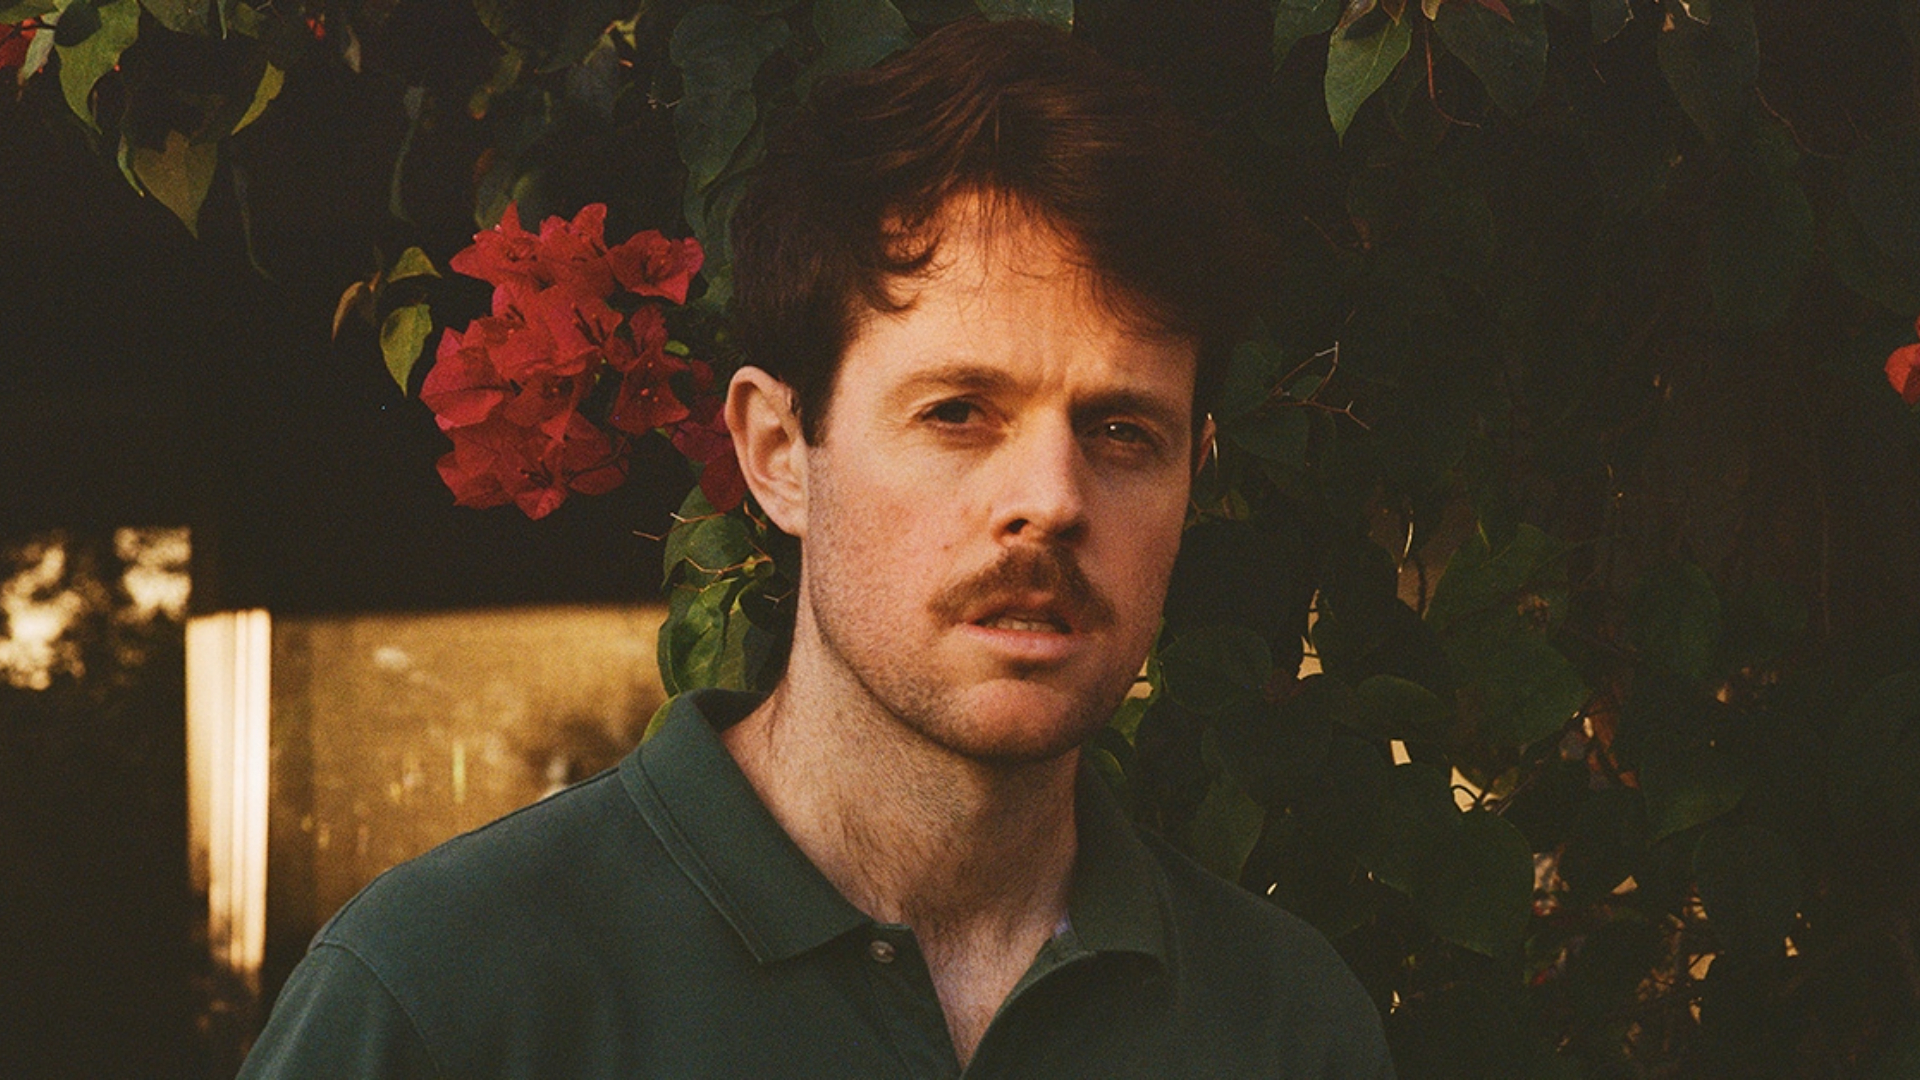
1204 447
767 438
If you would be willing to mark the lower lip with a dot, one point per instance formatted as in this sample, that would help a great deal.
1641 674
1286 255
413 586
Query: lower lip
1030 646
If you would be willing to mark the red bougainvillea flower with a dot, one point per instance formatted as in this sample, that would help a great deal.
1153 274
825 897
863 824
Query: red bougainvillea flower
703 437
646 400
649 264
508 391
463 388
1903 370
576 328
497 462
534 332
548 402
14 40
503 253
573 255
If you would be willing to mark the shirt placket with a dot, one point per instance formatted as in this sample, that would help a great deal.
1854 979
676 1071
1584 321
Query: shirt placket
909 1006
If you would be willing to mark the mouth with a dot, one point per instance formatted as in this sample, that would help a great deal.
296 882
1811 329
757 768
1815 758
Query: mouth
1032 623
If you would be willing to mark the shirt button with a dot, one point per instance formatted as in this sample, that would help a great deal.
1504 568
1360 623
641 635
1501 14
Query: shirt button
881 951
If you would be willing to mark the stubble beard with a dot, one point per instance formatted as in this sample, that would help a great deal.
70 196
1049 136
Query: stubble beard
893 690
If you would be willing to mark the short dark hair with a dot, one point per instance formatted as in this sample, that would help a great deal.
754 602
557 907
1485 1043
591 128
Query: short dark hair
849 198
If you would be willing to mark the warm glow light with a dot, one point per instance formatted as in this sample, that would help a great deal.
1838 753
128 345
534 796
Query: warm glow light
39 609
156 577
227 702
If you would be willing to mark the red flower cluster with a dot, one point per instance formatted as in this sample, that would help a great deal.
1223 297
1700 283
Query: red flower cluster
1903 370
508 390
14 40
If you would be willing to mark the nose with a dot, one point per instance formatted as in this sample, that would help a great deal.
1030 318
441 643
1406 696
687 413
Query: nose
1043 489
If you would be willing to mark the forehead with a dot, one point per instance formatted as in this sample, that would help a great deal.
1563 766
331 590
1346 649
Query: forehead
1005 290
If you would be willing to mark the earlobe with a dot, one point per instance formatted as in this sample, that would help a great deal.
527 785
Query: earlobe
765 424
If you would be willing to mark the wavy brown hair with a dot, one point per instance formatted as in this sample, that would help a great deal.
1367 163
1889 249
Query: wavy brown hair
849 198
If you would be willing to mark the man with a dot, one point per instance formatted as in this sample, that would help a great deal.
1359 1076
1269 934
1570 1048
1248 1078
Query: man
982 291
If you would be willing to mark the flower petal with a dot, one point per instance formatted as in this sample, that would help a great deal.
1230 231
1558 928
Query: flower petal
1903 371
649 264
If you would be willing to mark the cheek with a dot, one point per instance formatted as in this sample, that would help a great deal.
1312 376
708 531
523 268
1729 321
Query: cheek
1146 543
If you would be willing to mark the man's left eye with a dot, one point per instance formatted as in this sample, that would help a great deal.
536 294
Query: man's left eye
954 412
1124 432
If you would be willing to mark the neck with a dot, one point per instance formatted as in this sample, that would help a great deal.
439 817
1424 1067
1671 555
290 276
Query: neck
976 856
908 831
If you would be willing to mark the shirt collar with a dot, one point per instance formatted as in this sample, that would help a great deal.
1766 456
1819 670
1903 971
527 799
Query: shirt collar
693 795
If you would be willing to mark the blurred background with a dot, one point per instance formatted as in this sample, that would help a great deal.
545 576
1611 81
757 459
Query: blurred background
181 444
1621 278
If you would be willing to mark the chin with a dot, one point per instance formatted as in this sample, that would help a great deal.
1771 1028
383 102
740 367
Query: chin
1017 721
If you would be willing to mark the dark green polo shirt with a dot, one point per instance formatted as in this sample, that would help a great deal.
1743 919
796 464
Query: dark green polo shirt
655 921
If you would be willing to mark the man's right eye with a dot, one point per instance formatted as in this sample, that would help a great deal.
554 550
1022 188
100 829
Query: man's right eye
954 412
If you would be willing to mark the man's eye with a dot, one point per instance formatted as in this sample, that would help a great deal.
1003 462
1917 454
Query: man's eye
954 412
1123 432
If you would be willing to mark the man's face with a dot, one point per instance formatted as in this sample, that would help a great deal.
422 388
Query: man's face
995 503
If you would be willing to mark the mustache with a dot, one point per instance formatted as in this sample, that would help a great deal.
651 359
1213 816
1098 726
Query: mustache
1050 571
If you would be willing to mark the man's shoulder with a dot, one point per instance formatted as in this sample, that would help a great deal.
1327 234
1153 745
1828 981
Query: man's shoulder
1238 947
501 887
1203 902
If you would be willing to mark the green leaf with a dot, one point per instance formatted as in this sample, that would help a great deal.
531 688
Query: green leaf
123 157
1358 66
1251 372
1861 262
1609 966
694 640
1215 666
412 263
1479 893
78 21
1296 19
82 65
1413 824
1712 68
1883 191
183 16
1676 619
854 34
271 81
402 336
1761 239
178 175
1478 578
1516 688
16 13
551 35
1389 707
1687 784
1508 56
1609 18
1749 883
1057 12
1227 824
1873 759
707 546
1277 435
719 50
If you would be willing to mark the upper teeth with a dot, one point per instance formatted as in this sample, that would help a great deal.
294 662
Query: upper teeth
1015 622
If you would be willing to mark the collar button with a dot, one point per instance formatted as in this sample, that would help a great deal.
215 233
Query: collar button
881 951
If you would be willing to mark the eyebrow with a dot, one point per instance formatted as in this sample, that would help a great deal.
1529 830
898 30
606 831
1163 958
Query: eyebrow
977 378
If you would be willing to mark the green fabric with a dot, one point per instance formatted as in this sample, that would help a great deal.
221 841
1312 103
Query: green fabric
655 921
